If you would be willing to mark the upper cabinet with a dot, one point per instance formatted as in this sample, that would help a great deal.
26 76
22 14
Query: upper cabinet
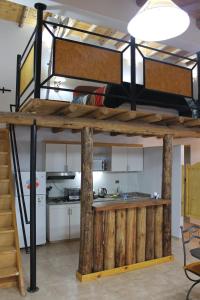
127 159
119 159
134 159
74 157
56 159
67 157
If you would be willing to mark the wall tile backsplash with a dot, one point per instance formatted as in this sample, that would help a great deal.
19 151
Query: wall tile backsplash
128 182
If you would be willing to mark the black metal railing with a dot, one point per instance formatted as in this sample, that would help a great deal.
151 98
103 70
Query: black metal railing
19 185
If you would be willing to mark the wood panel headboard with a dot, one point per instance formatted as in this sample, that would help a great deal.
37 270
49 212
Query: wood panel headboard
83 61
167 78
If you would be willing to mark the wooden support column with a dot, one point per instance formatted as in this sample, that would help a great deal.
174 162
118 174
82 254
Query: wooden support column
166 192
86 236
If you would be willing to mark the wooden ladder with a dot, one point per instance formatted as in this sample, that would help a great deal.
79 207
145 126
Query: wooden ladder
10 257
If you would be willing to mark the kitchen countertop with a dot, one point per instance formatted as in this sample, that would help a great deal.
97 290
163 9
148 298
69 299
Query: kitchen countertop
135 196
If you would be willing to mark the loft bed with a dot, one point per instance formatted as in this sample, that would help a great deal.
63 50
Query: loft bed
97 74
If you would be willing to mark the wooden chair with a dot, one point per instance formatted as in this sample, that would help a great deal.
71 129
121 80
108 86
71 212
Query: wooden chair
188 235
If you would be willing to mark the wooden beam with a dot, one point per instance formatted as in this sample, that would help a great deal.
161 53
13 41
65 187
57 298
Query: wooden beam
24 15
132 127
151 119
167 167
86 236
109 32
126 37
167 192
86 36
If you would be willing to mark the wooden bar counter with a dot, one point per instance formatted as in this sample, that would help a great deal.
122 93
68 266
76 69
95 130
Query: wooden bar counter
127 235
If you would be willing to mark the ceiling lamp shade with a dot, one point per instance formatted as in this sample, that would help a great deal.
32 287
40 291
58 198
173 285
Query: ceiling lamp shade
158 20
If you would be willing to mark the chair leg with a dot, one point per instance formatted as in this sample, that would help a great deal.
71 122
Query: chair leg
194 284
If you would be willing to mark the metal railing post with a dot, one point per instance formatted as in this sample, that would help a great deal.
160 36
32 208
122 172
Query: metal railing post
198 74
11 128
133 74
33 150
38 48
17 93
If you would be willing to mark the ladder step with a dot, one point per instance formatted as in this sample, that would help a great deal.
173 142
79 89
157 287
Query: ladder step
8 272
5 212
4 174
7 249
6 229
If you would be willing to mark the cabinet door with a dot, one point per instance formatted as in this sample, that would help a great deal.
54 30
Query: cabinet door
74 158
56 158
74 221
134 159
119 159
58 222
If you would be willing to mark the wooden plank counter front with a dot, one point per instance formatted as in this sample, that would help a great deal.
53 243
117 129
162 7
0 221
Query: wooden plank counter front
127 235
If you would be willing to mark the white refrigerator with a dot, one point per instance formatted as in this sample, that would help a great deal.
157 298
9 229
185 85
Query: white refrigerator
40 208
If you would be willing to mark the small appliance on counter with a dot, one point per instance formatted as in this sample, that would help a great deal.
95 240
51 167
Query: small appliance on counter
72 194
102 192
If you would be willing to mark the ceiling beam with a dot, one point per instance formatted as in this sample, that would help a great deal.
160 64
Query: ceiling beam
101 125
24 15
110 33
86 36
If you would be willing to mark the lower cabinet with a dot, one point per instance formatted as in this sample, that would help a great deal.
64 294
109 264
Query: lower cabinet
63 222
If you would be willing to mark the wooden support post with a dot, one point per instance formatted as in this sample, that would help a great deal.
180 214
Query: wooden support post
86 238
166 192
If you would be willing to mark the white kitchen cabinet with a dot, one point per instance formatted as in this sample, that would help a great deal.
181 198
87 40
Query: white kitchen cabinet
74 157
134 159
63 222
119 159
74 221
127 159
56 159
58 223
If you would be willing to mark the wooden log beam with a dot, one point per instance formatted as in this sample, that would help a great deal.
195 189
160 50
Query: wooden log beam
166 192
24 15
131 236
86 236
120 248
141 234
109 240
98 241
159 231
167 167
132 127
150 232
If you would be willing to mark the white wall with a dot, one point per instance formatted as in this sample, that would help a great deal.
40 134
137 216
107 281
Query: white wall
150 180
13 41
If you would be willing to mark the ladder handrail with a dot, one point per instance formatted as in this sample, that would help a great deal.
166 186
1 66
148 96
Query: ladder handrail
19 186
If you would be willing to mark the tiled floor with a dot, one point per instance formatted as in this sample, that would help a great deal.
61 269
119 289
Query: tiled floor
57 264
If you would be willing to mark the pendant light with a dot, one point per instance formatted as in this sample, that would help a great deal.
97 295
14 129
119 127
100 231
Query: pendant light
158 20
